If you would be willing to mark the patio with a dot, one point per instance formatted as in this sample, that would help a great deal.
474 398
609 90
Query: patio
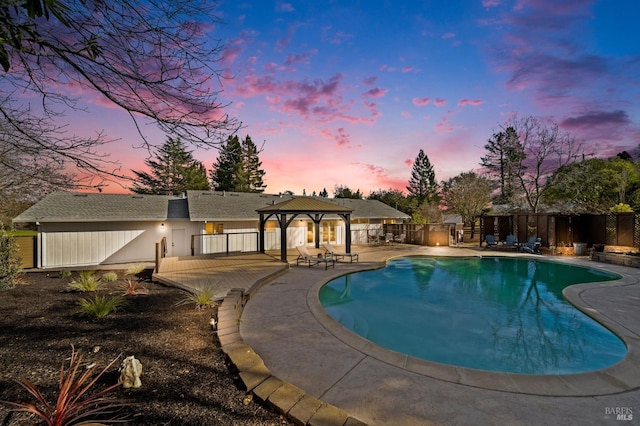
302 349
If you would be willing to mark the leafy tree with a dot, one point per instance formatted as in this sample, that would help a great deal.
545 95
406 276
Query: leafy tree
504 153
422 184
323 193
621 208
594 185
237 167
396 199
173 171
9 260
153 60
468 195
343 191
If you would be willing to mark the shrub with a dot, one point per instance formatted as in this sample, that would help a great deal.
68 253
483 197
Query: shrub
65 273
9 260
109 277
135 270
133 288
99 306
86 281
74 404
202 297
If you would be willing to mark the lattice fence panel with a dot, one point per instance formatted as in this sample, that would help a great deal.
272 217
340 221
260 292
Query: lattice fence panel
612 228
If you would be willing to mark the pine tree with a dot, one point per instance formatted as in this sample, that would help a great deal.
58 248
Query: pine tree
254 173
423 185
504 155
237 167
173 170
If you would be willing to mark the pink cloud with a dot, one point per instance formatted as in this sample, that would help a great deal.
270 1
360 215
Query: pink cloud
407 69
421 101
342 137
472 102
293 59
448 35
406 114
444 126
439 102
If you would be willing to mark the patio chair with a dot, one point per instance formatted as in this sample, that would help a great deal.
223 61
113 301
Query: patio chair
490 240
531 246
388 238
399 238
510 241
333 252
306 258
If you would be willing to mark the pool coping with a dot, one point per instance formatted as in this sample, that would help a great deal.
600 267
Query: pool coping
620 377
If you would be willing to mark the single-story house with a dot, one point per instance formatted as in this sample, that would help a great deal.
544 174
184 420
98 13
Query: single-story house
80 229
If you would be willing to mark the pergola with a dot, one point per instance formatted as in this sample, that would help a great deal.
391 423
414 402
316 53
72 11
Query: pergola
315 209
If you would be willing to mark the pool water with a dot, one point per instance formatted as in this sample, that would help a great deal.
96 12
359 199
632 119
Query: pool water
489 313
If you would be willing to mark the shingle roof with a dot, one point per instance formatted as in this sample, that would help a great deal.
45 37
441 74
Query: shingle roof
198 206
223 205
79 207
304 205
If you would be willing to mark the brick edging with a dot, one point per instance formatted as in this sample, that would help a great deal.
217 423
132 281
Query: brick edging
293 402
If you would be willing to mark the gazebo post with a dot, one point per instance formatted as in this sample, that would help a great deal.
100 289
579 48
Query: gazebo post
261 237
282 218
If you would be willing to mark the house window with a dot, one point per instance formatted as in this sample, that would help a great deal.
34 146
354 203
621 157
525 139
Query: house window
359 221
213 228
310 232
328 231
270 225
208 228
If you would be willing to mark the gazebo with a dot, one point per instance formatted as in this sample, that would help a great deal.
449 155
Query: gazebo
315 209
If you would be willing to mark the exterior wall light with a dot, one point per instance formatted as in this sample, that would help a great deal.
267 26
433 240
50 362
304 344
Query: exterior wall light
162 226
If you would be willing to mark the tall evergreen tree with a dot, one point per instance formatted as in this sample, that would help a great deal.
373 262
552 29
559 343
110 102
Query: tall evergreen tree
254 173
238 167
423 185
173 170
504 154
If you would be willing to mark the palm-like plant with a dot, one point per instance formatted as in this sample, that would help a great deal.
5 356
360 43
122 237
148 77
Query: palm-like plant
86 281
75 403
99 306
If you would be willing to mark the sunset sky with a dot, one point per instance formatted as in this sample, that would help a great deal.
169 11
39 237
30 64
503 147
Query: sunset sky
348 92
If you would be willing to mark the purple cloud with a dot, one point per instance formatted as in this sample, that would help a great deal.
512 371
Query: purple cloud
376 92
597 118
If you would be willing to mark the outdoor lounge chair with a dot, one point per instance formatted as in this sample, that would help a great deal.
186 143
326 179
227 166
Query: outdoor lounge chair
388 238
490 240
331 250
531 246
399 238
306 258
510 241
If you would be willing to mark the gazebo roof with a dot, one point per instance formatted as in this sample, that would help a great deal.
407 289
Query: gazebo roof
304 205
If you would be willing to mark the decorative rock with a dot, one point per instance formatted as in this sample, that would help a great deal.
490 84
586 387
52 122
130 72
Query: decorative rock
130 372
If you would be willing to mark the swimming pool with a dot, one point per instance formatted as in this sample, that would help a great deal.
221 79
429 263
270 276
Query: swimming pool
489 313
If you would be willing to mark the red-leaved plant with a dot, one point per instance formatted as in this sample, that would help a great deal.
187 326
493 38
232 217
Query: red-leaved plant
75 404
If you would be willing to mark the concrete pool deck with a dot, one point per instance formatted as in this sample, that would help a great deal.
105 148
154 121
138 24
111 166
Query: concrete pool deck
285 325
